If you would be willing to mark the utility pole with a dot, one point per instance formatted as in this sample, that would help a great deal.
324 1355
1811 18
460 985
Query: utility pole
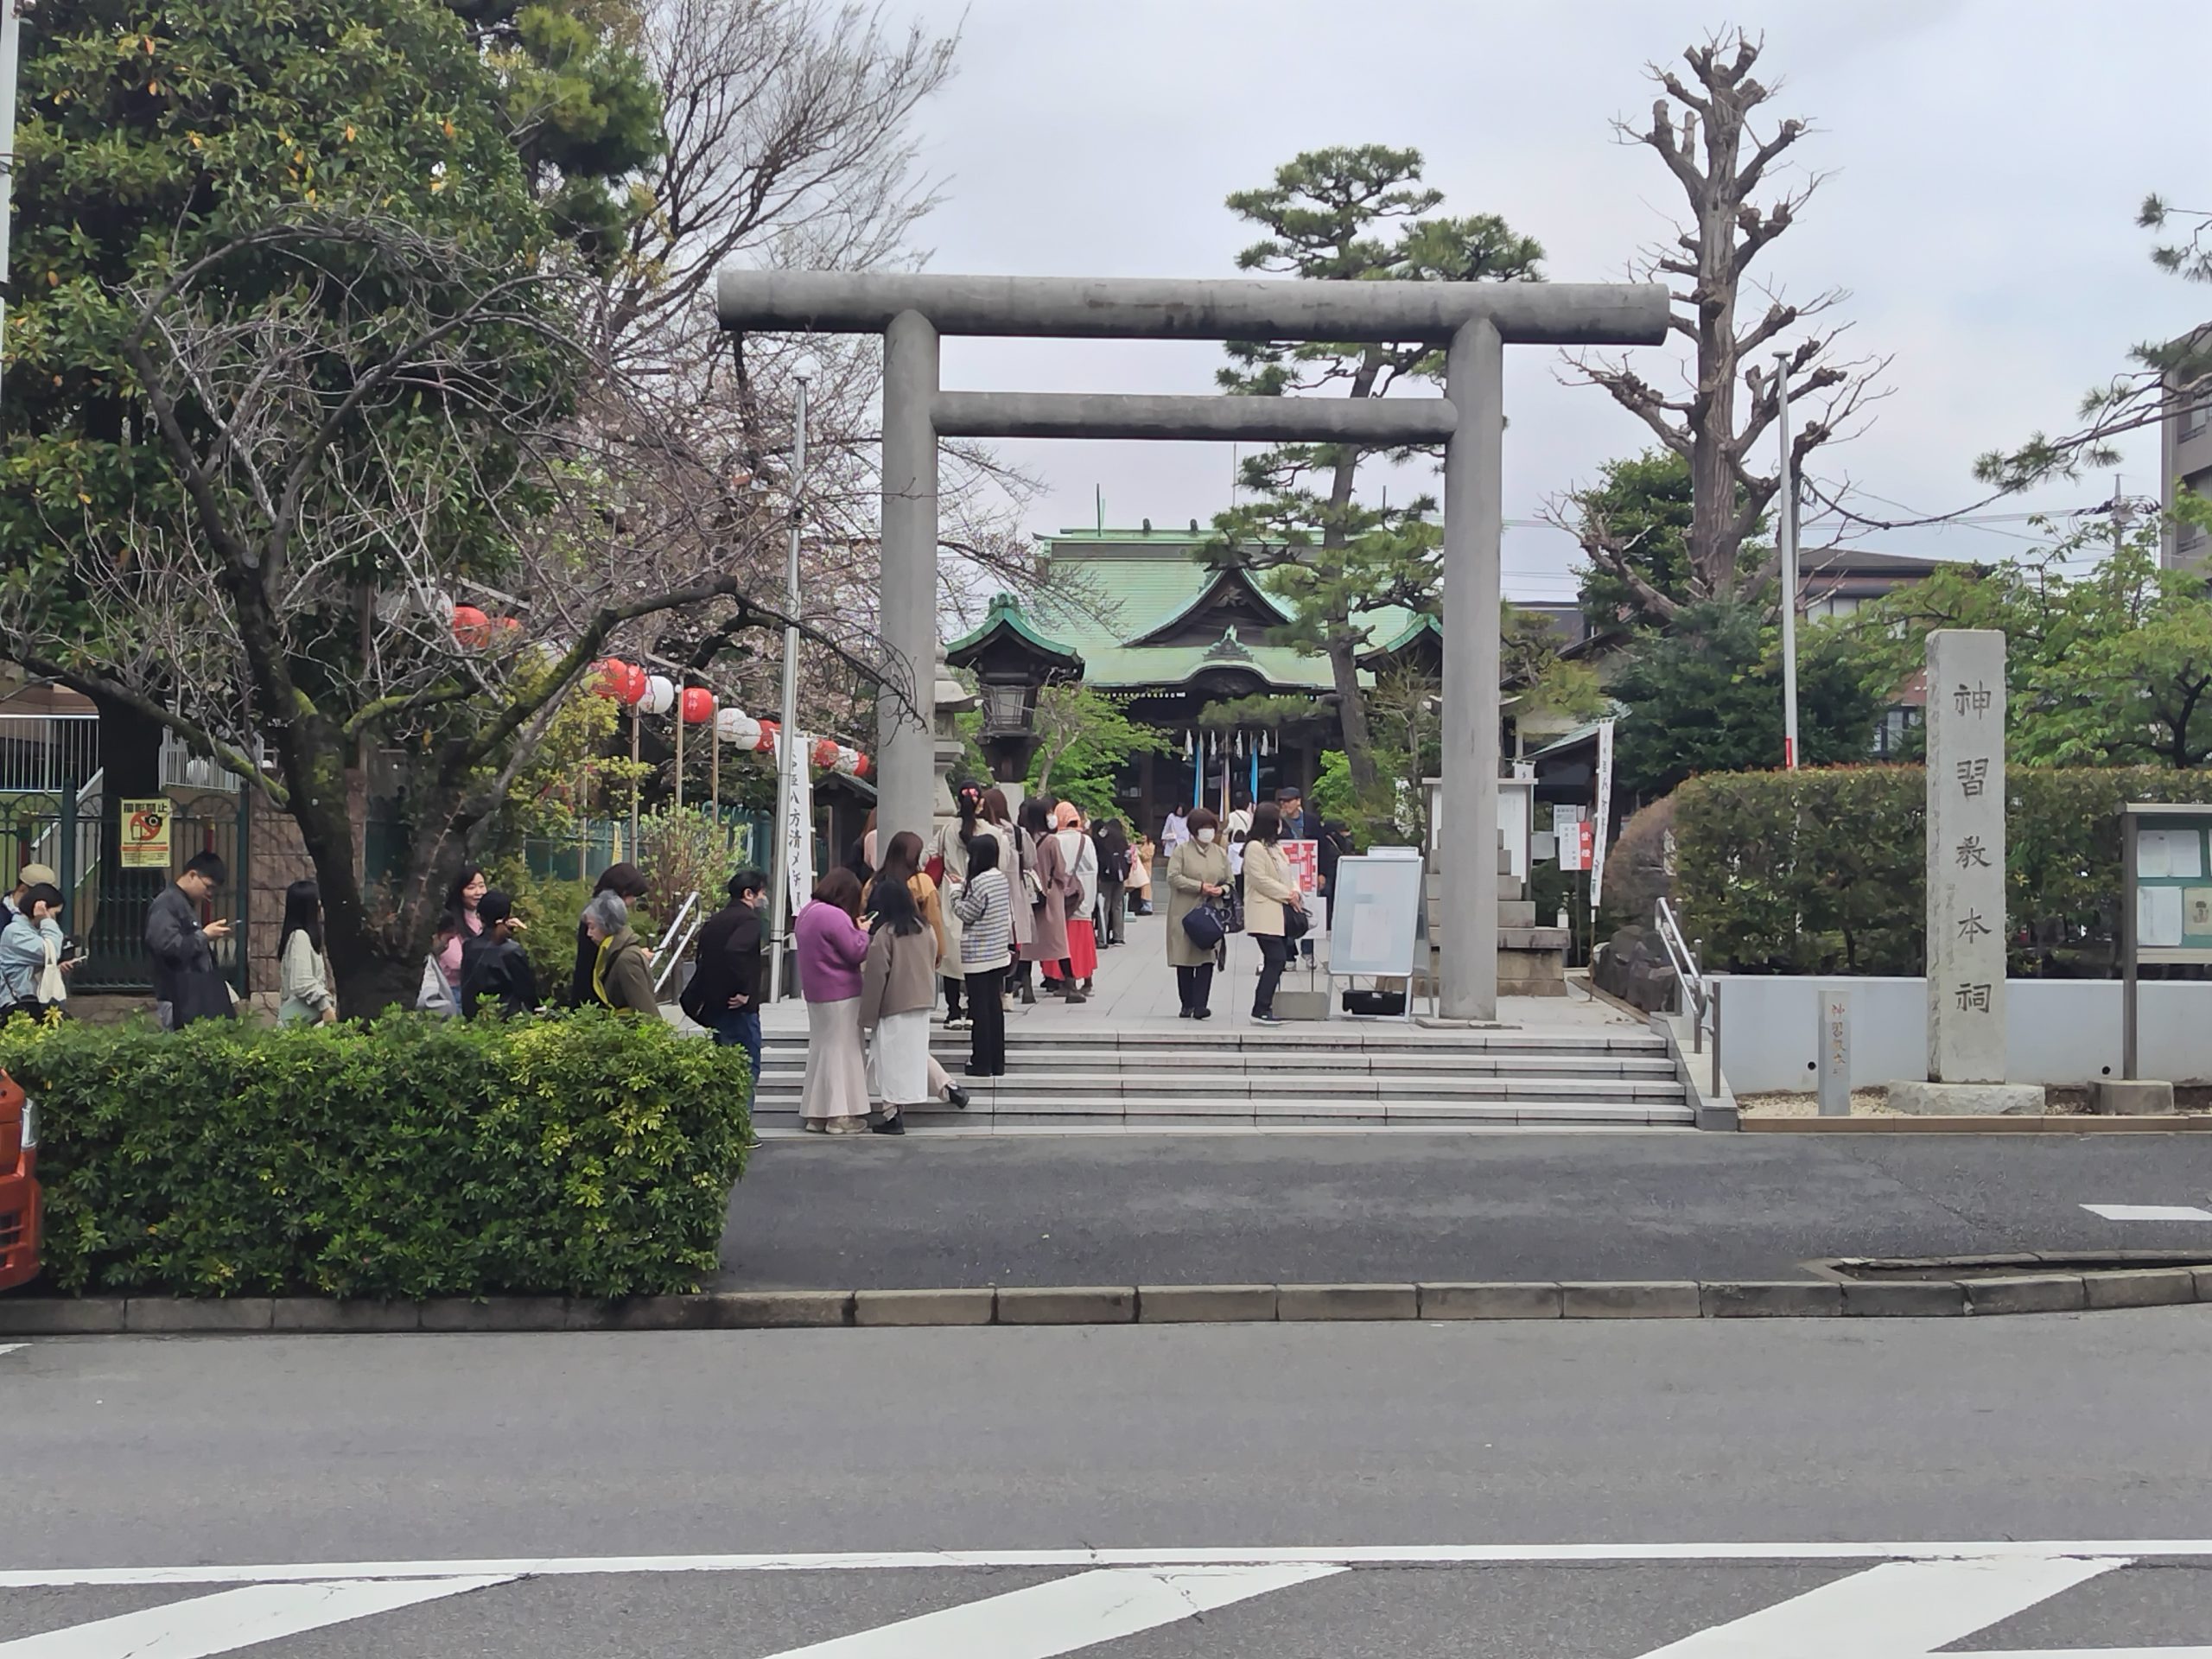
1786 549
11 29
787 750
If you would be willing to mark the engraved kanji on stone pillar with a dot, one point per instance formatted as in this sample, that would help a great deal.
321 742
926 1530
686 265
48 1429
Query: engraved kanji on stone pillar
1966 855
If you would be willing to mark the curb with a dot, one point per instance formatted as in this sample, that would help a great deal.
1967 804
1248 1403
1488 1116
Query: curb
2148 1286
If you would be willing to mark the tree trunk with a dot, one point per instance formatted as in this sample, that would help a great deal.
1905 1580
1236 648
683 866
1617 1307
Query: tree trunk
369 978
1359 732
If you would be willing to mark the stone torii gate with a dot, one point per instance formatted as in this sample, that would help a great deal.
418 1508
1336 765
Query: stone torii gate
1472 322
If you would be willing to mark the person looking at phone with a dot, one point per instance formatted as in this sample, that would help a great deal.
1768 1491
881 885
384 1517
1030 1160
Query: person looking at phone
32 963
187 984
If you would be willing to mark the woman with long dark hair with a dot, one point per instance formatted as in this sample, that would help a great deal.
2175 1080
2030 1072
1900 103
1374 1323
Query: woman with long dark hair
303 978
1270 893
1051 885
948 861
1113 846
1013 863
986 909
467 893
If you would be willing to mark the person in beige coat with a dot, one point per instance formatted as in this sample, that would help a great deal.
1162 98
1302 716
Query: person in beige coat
1270 890
1197 873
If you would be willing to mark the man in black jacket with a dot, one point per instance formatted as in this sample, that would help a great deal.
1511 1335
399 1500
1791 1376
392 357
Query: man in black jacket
724 994
493 966
1302 822
187 986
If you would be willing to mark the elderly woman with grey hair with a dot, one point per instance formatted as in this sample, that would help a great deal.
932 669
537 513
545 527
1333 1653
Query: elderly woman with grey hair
620 978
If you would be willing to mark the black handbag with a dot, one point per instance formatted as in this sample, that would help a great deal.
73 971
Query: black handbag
1232 909
1295 923
1202 925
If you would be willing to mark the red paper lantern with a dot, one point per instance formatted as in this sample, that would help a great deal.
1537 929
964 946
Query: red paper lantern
505 626
698 705
471 627
624 682
824 753
863 767
769 732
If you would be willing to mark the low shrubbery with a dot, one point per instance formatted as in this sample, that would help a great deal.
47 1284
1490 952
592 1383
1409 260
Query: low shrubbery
1824 871
413 1157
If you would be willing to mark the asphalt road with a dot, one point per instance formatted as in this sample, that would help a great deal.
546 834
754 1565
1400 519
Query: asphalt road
371 1455
875 1212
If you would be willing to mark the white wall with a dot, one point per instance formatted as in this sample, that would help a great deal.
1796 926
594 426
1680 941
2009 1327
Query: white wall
2058 1031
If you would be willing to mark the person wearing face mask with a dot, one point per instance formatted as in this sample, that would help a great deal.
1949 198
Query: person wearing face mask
724 994
1197 873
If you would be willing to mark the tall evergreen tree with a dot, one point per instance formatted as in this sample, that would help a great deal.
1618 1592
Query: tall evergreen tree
1348 214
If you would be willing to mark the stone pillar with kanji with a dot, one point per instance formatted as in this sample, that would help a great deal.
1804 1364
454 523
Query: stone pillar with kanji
1966 882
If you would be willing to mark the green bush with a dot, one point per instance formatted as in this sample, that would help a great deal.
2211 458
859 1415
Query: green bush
590 1155
1824 870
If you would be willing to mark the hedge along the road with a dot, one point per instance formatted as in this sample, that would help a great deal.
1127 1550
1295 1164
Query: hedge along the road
1824 871
590 1155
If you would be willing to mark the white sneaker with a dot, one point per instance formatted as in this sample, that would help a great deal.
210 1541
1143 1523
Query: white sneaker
959 1025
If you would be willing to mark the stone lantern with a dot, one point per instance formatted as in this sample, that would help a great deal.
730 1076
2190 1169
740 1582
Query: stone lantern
1013 662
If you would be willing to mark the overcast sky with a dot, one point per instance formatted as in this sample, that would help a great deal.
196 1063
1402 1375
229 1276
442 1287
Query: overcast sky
1986 158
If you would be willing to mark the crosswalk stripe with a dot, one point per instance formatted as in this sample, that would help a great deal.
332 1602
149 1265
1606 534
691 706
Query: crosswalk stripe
1904 1610
7 1348
2149 1211
232 1619
1061 1617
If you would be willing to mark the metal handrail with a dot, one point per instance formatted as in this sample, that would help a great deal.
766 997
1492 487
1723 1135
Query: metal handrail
668 958
1693 986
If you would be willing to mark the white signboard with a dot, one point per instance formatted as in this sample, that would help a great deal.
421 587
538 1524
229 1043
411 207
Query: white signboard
1377 918
798 828
1604 822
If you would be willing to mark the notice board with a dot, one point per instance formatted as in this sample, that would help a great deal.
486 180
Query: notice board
1377 926
2172 883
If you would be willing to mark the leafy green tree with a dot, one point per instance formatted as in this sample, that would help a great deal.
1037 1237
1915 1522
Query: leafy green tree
1705 696
1347 214
295 362
1084 737
2112 667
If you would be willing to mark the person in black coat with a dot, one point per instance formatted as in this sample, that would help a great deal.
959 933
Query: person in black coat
493 966
724 994
627 882
187 986
1302 822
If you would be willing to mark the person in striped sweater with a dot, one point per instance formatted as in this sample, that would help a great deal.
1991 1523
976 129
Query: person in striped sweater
985 908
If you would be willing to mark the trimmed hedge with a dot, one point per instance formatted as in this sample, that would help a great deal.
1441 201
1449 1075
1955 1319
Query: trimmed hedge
1824 870
590 1155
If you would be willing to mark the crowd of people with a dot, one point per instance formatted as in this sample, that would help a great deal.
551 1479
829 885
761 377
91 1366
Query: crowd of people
1004 904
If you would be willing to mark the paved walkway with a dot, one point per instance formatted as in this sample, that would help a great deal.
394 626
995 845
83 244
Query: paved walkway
1136 989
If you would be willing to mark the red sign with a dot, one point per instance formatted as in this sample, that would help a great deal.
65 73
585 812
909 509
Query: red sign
1304 858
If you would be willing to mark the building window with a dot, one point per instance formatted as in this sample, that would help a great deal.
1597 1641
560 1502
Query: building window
1890 731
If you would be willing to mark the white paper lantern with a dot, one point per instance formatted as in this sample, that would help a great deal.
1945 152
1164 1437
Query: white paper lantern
848 761
736 726
660 694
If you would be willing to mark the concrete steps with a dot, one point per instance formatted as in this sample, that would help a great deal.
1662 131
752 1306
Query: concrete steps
1332 1074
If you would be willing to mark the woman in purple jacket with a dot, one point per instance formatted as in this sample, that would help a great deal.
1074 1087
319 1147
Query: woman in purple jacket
831 946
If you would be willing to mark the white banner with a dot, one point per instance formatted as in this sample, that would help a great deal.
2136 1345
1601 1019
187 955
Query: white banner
798 828
1602 826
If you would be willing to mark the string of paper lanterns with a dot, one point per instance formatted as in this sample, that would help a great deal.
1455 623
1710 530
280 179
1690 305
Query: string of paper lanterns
656 694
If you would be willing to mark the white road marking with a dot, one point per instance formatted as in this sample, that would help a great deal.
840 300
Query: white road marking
1904 1610
1064 1616
7 1348
232 1619
2149 1211
1383 1555
2094 1653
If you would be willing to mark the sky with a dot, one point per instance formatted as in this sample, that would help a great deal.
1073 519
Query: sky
1983 160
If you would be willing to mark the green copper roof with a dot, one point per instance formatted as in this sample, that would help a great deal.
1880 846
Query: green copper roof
1112 586
1006 612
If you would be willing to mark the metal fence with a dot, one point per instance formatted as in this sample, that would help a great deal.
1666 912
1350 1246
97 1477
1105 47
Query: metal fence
42 753
68 829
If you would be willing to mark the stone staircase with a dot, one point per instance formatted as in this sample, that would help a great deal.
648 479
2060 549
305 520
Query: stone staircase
1364 1075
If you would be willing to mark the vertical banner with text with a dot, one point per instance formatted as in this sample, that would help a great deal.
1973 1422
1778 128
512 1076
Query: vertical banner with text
796 832
1966 855
1602 822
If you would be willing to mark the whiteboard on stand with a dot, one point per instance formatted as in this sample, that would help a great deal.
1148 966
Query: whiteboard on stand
1375 928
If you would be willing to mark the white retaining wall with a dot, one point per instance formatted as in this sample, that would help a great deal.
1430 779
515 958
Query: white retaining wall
2059 1031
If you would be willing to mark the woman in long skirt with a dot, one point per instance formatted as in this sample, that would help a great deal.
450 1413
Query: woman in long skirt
898 988
831 946
1079 968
